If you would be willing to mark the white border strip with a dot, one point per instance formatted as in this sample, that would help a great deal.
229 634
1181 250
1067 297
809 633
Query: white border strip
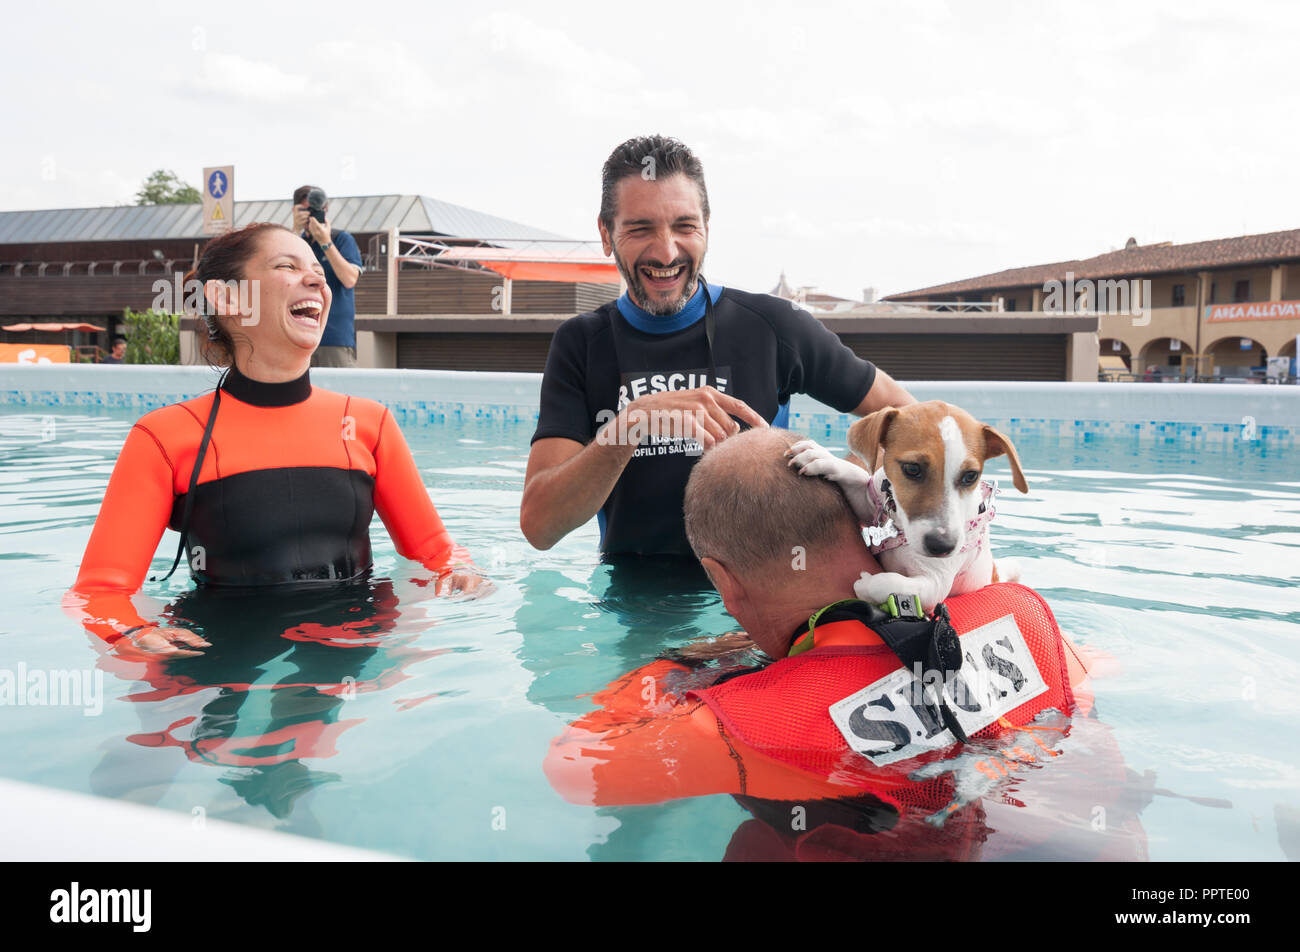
39 824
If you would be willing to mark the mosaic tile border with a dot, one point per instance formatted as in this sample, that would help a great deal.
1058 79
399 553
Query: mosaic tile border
420 412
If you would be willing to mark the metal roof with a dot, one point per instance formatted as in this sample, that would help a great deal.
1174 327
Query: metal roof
411 214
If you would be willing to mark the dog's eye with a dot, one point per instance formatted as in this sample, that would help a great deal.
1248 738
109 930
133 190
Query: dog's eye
969 477
911 470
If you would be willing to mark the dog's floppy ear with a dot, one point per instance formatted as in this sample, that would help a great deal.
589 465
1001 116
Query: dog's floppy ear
867 435
995 444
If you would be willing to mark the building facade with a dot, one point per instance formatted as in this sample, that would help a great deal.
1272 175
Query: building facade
1204 310
85 266
448 288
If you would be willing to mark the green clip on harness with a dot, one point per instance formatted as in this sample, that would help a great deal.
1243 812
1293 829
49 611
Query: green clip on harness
915 639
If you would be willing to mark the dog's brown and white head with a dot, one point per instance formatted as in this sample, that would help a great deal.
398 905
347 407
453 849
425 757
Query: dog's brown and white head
934 455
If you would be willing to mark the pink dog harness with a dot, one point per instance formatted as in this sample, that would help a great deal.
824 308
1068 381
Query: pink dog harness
883 534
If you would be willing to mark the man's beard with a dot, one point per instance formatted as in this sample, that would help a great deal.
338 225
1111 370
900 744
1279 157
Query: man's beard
636 290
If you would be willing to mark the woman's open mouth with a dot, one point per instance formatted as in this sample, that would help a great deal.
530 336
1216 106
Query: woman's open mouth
308 312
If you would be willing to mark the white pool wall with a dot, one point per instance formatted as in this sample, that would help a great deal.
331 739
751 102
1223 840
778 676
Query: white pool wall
41 824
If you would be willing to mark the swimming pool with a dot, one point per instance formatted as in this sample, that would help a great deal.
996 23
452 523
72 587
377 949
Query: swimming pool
415 726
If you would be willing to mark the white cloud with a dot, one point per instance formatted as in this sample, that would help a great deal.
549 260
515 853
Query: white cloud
234 76
551 51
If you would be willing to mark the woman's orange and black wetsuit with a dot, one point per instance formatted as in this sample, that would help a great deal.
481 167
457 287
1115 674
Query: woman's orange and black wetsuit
289 482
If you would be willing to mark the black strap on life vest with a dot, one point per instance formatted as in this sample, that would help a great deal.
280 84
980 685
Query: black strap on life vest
710 330
194 478
914 639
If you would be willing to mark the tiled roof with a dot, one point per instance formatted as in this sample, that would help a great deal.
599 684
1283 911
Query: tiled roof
1131 262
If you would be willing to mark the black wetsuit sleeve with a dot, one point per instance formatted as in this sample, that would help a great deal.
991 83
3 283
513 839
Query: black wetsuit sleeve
821 365
563 411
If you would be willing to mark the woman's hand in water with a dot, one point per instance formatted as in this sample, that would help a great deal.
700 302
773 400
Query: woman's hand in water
465 584
154 642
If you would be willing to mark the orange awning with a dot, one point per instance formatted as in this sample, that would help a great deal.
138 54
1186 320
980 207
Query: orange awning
53 328
537 265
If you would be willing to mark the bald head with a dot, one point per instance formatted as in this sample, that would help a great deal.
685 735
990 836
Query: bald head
747 509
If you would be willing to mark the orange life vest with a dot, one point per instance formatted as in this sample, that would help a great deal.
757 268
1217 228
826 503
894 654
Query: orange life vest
849 709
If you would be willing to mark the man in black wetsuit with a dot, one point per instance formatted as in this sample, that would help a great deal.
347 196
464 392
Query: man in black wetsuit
634 390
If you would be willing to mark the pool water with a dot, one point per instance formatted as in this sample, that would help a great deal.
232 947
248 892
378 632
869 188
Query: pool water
398 721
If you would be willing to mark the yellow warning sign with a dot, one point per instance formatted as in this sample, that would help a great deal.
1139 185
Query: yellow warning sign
216 213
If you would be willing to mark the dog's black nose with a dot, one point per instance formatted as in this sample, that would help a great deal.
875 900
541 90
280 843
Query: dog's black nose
939 543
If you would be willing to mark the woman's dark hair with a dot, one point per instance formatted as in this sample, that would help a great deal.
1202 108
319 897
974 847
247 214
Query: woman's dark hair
224 259
650 157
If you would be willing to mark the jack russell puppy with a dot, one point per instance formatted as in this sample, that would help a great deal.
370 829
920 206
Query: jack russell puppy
928 508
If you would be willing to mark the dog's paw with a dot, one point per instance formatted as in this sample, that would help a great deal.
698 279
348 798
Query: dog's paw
1008 570
811 459
877 588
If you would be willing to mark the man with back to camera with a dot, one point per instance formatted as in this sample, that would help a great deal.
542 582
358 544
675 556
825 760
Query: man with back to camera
662 349
338 254
799 731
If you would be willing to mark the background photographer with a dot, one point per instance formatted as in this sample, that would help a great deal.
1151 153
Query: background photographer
338 253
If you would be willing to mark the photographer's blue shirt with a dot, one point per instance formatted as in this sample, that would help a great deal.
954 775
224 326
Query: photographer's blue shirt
340 329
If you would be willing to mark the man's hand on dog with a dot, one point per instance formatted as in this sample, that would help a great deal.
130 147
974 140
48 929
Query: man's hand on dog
704 414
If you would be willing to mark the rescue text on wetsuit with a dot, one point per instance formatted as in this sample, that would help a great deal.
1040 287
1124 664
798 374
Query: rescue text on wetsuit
765 350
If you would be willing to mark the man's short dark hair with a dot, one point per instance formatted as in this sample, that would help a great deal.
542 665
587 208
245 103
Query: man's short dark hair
300 193
746 508
118 340
666 157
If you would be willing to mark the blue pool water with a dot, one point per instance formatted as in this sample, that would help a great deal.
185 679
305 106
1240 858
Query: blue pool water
428 738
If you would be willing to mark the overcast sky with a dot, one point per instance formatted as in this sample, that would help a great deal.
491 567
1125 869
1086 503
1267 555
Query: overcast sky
893 145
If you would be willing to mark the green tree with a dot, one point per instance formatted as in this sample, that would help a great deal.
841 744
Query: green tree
166 188
152 337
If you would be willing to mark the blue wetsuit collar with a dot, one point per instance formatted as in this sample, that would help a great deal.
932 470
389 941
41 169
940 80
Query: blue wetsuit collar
665 324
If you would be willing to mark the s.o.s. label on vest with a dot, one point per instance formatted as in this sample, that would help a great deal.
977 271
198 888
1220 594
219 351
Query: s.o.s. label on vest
895 718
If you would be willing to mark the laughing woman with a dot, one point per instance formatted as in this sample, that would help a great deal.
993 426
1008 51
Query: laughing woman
269 480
